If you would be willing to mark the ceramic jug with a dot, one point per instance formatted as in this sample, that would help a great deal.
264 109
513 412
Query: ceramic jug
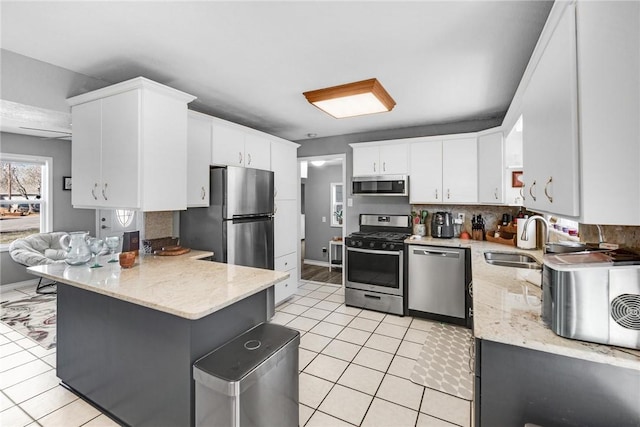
78 252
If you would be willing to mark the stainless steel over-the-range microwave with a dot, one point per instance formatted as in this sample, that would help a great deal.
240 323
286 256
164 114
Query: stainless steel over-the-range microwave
381 185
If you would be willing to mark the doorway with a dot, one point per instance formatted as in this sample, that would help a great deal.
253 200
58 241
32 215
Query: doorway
322 217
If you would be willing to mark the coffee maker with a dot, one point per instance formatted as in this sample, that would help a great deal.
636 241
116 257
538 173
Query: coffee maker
442 225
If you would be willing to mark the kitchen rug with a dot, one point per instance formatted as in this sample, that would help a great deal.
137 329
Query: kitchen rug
444 362
33 317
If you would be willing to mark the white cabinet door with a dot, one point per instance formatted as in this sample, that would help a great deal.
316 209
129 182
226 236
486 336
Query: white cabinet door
460 170
286 220
120 150
257 152
86 164
393 159
227 145
609 82
198 160
490 168
550 125
366 161
425 181
284 164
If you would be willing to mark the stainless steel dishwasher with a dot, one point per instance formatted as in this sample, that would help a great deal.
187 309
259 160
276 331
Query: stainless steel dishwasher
439 284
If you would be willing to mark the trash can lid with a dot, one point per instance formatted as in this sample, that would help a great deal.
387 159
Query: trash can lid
235 359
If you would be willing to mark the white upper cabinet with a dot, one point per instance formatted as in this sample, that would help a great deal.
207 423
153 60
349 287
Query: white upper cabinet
198 159
444 170
235 145
460 170
609 88
284 163
129 147
389 158
425 182
257 152
491 168
550 125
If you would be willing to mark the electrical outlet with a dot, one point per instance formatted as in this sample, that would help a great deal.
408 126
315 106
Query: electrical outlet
324 250
324 219
461 216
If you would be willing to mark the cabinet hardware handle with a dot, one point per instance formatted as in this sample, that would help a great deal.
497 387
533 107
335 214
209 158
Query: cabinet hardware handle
372 296
448 193
275 193
104 191
522 193
275 208
384 166
436 194
104 226
240 157
546 186
530 190
495 193
249 158
203 192
374 166
93 191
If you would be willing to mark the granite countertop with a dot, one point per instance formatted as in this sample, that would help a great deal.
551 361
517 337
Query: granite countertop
506 307
180 285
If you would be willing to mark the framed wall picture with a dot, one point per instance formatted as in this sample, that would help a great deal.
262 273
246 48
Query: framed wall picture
516 179
66 183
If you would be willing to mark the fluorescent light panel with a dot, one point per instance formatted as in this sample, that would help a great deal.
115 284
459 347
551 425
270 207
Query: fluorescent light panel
352 99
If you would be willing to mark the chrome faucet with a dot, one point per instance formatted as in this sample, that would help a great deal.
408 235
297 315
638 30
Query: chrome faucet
525 235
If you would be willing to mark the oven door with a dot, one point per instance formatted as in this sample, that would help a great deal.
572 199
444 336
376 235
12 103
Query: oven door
374 270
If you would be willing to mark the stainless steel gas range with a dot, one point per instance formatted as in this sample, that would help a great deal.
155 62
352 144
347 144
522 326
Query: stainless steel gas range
375 263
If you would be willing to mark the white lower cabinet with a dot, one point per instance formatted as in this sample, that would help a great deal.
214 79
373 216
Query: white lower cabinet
289 264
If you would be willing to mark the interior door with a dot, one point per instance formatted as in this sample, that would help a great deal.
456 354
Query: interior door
114 222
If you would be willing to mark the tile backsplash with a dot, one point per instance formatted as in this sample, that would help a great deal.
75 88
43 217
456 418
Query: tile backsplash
158 224
491 214
623 235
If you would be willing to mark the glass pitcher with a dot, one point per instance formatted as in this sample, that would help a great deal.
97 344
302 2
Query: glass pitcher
78 252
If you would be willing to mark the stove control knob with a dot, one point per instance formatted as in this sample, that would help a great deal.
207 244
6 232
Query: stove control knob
372 244
384 246
359 243
392 246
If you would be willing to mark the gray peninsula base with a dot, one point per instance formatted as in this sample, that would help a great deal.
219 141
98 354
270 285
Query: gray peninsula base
135 363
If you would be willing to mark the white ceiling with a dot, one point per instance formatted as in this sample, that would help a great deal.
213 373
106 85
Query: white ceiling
249 62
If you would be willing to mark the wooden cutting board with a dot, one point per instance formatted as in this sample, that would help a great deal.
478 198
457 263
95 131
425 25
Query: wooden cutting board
173 251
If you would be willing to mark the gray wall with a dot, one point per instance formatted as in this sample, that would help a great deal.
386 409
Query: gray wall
65 217
386 205
30 82
317 205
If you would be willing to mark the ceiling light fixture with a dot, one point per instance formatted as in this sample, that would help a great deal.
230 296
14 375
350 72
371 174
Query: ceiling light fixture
318 163
352 99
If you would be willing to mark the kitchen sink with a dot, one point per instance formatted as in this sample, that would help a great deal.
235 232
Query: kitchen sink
512 259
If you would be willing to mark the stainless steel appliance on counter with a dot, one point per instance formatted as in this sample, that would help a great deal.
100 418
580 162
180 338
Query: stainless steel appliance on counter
374 263
593 296
439 284
238 224
442 225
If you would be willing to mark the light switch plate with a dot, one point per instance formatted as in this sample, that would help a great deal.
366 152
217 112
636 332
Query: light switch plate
324 219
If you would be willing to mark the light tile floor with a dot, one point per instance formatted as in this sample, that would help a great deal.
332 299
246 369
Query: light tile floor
354 370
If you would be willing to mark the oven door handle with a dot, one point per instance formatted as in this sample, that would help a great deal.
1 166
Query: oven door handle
373 251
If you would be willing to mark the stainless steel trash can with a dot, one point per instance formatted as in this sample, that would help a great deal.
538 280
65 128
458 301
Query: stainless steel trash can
250 381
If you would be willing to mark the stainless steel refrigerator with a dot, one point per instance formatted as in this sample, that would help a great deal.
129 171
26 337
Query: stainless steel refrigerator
238 224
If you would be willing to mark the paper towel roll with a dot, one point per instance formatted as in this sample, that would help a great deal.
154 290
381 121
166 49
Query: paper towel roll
531 234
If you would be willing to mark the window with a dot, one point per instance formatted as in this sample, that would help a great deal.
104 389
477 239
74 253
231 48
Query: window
25 196
336 204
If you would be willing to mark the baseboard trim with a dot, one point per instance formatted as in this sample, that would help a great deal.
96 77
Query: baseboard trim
314 262
12 286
